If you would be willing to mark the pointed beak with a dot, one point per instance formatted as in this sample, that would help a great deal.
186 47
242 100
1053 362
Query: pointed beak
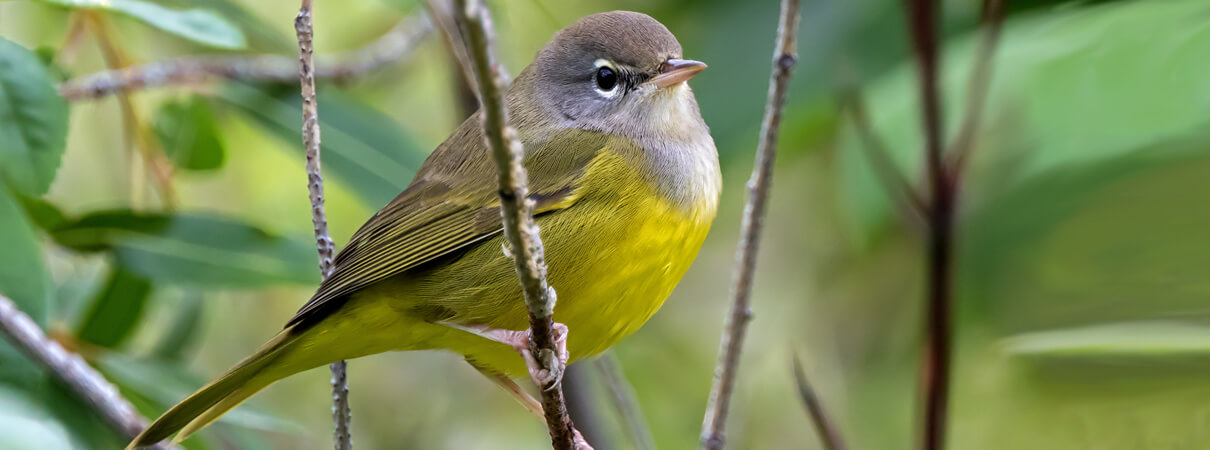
677 71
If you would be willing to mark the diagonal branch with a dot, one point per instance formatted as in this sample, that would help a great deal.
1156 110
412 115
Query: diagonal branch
393 46
978 86
520 230
71 370
824 425
341 414
902 193
754 211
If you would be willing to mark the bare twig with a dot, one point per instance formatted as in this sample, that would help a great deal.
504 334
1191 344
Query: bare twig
977 87
443 15
137 135
824 425
517 210
902 193
392 46
754 210
71 370
624 400
936 359
341 414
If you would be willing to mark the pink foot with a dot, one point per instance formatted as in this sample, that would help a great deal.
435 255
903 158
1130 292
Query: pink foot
543 369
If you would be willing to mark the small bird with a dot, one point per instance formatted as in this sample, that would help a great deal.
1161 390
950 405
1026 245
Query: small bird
624 178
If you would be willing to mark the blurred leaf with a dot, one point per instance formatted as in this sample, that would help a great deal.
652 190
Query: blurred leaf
261 35
189 135
23 276
26 424
362 147
167 384
1154 340
192 249
1071 87
183 330
33 121
116 310
42 213
201 26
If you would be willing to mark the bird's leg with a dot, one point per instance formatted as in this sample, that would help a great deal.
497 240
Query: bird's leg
512 388
519 341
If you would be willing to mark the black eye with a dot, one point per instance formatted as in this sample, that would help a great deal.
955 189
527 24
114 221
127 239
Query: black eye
606 79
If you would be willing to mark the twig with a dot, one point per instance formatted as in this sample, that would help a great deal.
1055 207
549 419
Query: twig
71 370
517 210
902 193
443 15
978 86
824 425
392 46
137 135
731 344
624 400
341 414
936 359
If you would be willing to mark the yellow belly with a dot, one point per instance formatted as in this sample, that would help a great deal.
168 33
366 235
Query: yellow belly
614 257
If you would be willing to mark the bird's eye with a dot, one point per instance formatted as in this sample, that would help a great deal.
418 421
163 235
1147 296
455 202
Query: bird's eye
606 79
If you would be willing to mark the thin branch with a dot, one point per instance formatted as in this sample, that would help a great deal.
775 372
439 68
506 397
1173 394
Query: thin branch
902 193
978 86
624 400
138 136
517 210
71 370
341 414
936 360
391 47
829 435
731 344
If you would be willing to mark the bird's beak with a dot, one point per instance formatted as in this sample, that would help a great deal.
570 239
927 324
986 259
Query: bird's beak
676 71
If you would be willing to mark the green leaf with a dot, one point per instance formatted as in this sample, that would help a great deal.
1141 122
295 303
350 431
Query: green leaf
42 213
23 276
33 121
1071 87
25 422
189 134
116 310
1151 340
192 249
362 147
197 25
186 323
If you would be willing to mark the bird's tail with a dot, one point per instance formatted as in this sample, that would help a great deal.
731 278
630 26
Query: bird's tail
248 377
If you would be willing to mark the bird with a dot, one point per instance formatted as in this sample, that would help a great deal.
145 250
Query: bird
624 183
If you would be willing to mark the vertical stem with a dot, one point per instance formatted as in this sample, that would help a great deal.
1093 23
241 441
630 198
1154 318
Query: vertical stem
731 346
516 210
935 364
624 399
342 416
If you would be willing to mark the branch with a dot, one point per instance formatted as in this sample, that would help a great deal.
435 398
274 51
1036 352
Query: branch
71 370
978 86
341 414
393 46
754 212
624 400
902 193
824 425
936 358
517 210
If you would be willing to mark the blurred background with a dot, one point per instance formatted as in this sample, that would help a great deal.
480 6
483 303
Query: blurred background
167 238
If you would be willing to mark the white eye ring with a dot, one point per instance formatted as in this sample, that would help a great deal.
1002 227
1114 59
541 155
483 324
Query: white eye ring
611 93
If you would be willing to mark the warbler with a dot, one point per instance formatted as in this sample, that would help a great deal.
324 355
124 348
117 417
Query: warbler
624 178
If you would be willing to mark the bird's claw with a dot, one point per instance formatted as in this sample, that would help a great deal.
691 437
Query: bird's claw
544 369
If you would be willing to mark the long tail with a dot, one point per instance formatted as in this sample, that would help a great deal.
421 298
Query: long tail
208 403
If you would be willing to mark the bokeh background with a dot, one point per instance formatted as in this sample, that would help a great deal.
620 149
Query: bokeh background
1083 268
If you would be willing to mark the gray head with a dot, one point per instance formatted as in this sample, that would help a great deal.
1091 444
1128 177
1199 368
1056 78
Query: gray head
616 72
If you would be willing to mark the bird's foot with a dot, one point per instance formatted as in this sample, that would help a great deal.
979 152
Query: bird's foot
544 369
